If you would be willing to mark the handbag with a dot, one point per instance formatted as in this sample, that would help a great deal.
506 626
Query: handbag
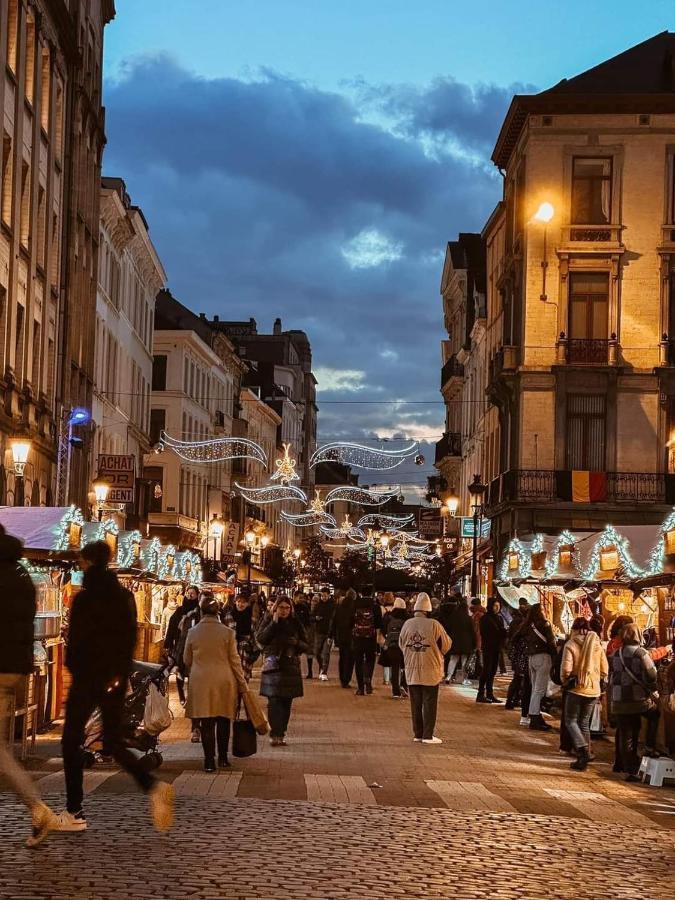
254 712
473 666
244 739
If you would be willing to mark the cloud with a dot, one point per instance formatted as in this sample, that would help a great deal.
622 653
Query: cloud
269 197
339 379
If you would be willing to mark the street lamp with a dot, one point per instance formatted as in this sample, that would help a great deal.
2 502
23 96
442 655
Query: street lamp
452 503
250 541
544 215
101 490
476 491
20 447
216 529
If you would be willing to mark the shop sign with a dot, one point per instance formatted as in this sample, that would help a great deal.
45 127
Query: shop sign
431 524
230 539
467 527
120 472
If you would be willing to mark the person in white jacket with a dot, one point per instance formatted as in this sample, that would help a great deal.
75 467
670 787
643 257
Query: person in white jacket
171 606
424 643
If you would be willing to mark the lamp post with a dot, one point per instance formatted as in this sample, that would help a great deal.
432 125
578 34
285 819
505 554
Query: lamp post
544 215
452 503
101 490
250 541
216 528
476 491
297 553
20 447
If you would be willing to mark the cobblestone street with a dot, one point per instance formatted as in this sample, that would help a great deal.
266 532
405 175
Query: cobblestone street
352 808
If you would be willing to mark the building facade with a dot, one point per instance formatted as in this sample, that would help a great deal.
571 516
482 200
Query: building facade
52 139
130 275
581 301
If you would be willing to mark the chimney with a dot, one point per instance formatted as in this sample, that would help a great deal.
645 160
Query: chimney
216 318
202 316
277 327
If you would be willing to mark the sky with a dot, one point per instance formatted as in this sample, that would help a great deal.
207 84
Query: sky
310 160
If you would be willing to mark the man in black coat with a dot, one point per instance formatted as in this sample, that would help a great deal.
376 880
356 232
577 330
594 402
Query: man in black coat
17 612
99 653
341 633
322 615
455 618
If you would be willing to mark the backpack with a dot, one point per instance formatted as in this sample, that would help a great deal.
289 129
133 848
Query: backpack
394 632
364 623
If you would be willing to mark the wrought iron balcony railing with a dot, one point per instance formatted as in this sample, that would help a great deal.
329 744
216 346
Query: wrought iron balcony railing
541 486
588 352
452 369
449 445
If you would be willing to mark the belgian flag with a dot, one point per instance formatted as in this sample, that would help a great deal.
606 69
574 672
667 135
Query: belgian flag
581 487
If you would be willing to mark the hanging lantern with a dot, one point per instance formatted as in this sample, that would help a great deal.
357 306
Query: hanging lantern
669 542
539 560
609 559
565 556
513 562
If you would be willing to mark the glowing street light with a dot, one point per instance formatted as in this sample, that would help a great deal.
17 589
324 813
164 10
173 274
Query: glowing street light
101 489
544 215
452 504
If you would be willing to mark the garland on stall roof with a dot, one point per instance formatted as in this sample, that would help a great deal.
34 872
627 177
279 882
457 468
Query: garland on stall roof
515 546
150 555
610 537
72 517
106 527
566 539
657 557
164 569
125 552
537 547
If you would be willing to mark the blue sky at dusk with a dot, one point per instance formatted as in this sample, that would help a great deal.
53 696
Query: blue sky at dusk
311 160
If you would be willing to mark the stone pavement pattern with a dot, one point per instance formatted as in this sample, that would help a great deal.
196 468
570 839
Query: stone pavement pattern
352 808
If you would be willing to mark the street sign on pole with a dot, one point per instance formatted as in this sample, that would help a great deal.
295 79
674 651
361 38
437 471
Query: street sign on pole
230 539
430 522
467 527
120 473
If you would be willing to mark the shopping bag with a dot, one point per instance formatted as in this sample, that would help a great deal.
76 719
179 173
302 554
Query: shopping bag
244 740
157 715
255 713
473 666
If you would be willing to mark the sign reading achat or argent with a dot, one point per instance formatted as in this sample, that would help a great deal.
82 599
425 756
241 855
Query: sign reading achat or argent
120 473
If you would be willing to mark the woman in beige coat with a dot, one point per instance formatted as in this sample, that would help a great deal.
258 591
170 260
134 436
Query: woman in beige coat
216 679
583 672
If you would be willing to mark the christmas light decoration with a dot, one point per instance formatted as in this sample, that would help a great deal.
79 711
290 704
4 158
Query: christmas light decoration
69 528
657 558
272 493
345 530
308 519
517 553
128 553
150 555
360 457
167 561
285 467
362 496
214 450
105 528
317 505
610 539
566 539
385 521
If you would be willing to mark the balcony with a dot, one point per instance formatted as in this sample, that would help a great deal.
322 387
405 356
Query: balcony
604 235
450 445
588 351
452 369
541 486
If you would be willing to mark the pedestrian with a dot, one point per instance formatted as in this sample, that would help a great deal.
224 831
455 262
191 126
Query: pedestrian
180 623
444 614
386 606
424 643
282 640
541 651
493 638
616 632
216 679
392 623
322 616
341 633
303 611
17 612
172 604
633 681
516 647
458 624
101 641
583 675
365 623
241 617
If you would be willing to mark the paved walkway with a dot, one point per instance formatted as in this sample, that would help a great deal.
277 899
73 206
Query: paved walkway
353 808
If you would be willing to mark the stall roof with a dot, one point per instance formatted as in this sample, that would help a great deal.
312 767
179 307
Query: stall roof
37 526
257 575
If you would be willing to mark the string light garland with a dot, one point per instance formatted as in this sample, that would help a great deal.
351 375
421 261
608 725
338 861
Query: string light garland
150 555
362 496
285 467
106 527
385 521
73 518
308 519
565 539
167 562
271 493
515 547
213 450
127 554
361 457
657 558
610 538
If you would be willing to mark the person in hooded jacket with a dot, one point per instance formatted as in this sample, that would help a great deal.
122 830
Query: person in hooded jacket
241 616
517 651
493 638
17 612
392 623
186 616
341 633
366 621
101 641
583 674
459 625
302 605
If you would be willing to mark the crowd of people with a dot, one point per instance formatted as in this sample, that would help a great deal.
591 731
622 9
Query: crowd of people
214 648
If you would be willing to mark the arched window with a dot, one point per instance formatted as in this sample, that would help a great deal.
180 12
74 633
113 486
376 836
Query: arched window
35 494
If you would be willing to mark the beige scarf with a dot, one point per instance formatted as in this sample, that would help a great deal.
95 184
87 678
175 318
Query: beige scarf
587 661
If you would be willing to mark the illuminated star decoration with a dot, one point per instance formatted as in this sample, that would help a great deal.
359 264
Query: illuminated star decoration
214 450
385 521
362 496
272 493
285 467
315 514
360 457
345 530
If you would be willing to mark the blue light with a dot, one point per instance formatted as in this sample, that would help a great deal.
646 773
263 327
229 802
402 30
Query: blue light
79 416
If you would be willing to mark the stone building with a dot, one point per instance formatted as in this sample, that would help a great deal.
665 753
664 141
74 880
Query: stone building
52 140
581 301
130 275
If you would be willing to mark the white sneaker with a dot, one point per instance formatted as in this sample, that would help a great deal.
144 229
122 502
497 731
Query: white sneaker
525 720
467 682
66 821
323 677
161 805
417 740
44 821
433 740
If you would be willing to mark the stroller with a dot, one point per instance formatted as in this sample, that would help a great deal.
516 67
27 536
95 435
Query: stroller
138 733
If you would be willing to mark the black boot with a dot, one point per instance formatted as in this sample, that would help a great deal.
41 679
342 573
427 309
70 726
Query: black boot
481 698
310 668
537 723
492 699
582 759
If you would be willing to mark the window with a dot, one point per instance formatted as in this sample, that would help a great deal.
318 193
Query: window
159 373
41 226
24 226
58 120
157 424
18 341
588 317
591 191
12 33
586 426
35 376
45 88
29 86
7 170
